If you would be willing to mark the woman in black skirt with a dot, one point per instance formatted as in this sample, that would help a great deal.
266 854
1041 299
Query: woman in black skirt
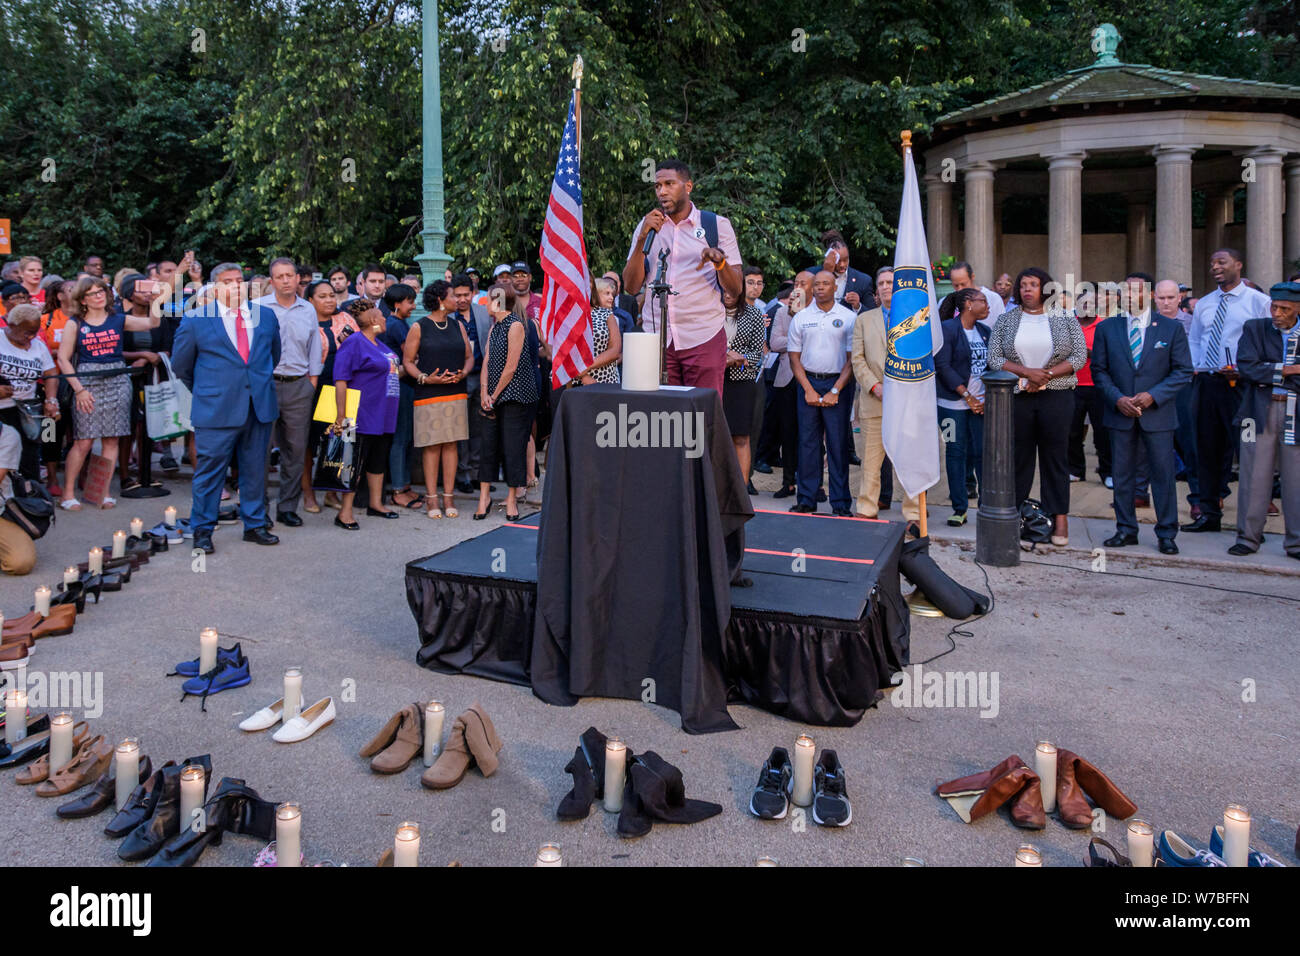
745 342
507 402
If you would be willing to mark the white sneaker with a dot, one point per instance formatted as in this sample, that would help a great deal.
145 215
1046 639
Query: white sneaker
268 716
1110 482
318 715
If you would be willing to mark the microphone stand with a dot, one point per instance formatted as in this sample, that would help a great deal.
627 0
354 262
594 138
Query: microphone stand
661 290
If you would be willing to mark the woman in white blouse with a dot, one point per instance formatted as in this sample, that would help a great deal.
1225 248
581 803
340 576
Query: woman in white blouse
1041 342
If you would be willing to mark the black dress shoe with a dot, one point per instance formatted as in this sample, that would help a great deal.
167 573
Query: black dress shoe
842 512
1167 546
164 822
821 494
466 487
99 797
1239 551
289 519
803 509
785 491
513 517
35 726
749 487
1120 540
1203 523
374 513
138 805
855 461
203 542
762 467
347 525
260 536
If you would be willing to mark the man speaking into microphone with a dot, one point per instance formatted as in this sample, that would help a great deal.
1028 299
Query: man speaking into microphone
703 259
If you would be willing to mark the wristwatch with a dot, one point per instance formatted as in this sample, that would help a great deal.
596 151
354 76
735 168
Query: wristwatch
834 390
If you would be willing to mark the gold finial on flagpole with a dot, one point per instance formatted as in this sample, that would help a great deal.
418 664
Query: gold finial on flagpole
577 72
907 138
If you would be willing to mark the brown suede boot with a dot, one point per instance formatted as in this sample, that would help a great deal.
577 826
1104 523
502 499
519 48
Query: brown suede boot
1075 777
449 769
384 737
482 740
980 794
407 744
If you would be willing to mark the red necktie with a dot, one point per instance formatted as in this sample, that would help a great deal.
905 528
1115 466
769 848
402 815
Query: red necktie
241 336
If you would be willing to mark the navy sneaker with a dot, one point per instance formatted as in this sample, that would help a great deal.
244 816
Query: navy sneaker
226 675
769 801
169 531
191 668
1173 850
1256 858
830 806
762 467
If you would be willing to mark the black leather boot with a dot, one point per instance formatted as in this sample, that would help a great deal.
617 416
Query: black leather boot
234 808
164 822
138 806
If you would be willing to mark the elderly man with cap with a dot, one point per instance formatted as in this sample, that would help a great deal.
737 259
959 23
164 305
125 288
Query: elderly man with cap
1268 361
521 278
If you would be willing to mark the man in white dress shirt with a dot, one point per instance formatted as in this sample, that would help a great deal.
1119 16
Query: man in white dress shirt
961 277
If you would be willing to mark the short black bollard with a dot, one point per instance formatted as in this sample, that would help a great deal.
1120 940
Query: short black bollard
997 525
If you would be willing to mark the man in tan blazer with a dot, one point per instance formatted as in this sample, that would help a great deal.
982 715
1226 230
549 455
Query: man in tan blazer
869 369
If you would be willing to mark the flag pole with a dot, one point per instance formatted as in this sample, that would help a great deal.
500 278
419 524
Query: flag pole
923 523
577 101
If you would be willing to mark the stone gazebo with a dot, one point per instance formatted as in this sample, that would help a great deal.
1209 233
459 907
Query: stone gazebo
1124 135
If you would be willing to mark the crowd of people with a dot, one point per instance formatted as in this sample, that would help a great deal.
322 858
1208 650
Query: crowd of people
1167 383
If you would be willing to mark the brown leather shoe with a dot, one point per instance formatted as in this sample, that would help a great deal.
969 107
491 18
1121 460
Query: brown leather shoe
60 621
90 763
21 625
482 740
449 769
39 769
17 651
408 742
1012 780
17 637
1075 777
385 735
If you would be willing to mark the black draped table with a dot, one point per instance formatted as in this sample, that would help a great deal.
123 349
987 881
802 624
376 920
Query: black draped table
642 532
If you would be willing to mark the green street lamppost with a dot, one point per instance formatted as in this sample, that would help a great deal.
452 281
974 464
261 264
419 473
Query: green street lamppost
434 259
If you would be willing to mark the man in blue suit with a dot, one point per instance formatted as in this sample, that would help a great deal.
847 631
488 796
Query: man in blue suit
1141 361
225 352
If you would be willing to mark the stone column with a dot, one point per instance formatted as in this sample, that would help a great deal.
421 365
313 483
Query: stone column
1139 223
1065 221
1291 241
938 219
979 219
1264 216
1218 213
999 253
1174 212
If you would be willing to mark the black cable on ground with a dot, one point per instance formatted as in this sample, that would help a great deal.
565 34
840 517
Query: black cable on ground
1148 577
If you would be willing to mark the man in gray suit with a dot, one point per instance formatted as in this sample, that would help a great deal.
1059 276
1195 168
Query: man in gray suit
478 323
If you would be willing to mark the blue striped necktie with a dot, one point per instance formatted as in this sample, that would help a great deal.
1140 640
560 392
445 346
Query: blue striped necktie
1212 350
1135 341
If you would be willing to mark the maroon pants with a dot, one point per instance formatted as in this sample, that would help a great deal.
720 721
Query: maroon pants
700 367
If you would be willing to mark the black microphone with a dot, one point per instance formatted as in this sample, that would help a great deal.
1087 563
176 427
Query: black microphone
649 241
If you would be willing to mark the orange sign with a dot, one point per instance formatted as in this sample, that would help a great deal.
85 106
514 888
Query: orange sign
5 246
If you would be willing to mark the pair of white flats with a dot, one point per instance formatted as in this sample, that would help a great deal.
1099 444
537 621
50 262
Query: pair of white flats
318 715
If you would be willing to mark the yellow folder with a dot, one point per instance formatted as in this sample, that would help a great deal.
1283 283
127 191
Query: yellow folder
327 408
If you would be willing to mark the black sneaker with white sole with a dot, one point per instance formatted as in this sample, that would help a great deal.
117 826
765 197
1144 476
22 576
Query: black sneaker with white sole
770 801
830 806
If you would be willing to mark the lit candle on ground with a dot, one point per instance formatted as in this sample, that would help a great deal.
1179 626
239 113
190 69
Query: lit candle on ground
1028 855
137 527
549 855
169 516
60 740
127 766
292 693
1045 767
43 600
1141 843
804 751
70 576
2 620
615 773
406 845
207 649
288 834
1236 835
913 861
95 563
15 716
191 794
433 717
766 861
119 544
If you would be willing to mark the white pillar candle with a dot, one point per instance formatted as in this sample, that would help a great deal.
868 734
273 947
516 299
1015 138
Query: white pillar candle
207 649
191 794
292 693
15 716
119 544
1045 767
804 752
1141 843
406 845
95 563
615 773
169 516
433 718
1236 835
60 740
2 620
127 766
70 576
549 855
640 361
137 527
42 601
288 834
1028 855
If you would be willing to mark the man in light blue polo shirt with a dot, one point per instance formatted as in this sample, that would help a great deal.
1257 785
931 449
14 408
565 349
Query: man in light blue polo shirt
820 340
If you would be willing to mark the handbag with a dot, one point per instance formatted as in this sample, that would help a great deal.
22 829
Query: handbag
29 506
337 467
31 414
1035 525
166 405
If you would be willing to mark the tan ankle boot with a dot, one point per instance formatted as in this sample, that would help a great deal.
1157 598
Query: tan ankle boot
482 739
407 743
450 767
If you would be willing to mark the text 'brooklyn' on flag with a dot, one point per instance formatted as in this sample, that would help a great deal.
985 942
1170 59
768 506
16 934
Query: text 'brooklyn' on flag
909 425
566 288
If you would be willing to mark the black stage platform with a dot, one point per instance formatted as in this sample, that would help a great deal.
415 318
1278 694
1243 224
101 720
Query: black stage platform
815 638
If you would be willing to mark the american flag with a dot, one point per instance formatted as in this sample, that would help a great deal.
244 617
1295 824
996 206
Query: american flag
566 288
